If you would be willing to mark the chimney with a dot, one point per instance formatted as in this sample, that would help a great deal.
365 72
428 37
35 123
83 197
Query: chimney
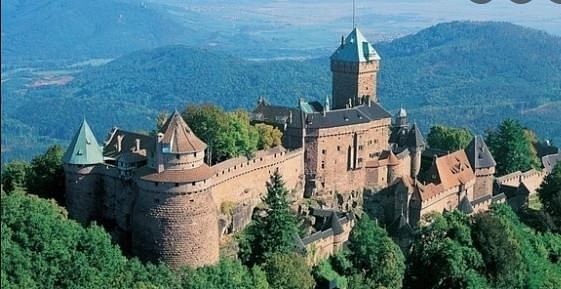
119 143
159 162
137 144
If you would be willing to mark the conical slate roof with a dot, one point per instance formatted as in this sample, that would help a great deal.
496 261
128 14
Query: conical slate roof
84 149
479 155
178 136
355 48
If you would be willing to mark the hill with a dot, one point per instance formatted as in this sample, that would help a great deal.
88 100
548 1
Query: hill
35 30
461 73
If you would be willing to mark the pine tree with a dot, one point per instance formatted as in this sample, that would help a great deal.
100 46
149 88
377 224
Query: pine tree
550 196
274 232
511 148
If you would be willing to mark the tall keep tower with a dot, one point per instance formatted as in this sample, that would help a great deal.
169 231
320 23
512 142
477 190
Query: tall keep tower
355 66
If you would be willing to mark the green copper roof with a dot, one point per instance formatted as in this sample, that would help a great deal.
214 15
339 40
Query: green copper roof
84 149
355 48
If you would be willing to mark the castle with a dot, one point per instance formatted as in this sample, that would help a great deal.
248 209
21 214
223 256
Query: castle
159 199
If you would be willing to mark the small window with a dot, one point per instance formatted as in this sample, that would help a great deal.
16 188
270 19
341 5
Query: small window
323 151
177 156
195 154
338 148
323 165
177 184
156 184
194 183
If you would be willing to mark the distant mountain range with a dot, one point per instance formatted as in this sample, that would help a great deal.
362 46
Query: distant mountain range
460 73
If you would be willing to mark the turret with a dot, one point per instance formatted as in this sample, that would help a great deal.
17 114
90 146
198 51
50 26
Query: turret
355 66
83 197
400 119
174 218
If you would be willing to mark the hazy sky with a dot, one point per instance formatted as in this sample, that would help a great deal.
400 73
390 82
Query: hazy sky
410 15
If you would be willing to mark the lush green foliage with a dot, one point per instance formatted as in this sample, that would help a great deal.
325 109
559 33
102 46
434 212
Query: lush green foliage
501 252
44 176
274 232
269 136
228 274
443 256
511 148
324 272
463 74
288 271
14 175
550 196
229 134
374 255
495 250
41 248
449 138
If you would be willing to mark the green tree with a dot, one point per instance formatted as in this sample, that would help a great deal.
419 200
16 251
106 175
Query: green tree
375 255
269 136
227 134
227 274
14 175
288 271
275 231
449 138
324 272
443 255
550 196
501 251
46 175
512 148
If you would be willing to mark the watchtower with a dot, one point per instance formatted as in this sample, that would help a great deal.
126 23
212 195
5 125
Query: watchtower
355 66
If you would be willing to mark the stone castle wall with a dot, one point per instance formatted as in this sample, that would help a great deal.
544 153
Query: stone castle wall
336 157
83 192
321 245
352 79
483 183
531 178
176 224
446 200
241 179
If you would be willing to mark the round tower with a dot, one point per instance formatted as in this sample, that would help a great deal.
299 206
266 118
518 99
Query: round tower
174 218
416 147
81 160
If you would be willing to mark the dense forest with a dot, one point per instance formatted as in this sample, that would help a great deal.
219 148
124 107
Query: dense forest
463 74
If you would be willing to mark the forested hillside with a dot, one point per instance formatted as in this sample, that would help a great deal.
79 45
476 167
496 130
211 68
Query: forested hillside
48 29
462 74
